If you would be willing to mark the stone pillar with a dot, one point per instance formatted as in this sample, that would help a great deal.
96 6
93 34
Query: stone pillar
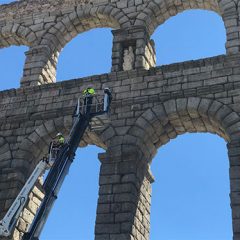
230 15
234 157
40 66
132 49
123 211
28 213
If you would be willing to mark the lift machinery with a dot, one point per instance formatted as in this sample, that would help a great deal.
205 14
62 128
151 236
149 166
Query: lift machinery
88 113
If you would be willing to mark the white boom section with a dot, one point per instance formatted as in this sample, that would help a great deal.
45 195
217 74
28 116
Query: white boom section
8 222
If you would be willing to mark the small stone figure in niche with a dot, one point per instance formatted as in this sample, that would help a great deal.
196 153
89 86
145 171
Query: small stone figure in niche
128 59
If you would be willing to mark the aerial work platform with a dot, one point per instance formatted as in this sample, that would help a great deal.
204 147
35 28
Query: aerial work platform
92 112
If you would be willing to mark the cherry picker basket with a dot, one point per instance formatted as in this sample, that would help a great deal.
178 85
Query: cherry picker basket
99 106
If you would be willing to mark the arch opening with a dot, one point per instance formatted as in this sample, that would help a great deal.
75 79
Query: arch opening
156 13
84 55
76 206
12 59
166 121
44 54
190 35
6 1
190 198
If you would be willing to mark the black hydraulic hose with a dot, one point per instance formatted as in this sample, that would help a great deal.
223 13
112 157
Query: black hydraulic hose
56 176
49 195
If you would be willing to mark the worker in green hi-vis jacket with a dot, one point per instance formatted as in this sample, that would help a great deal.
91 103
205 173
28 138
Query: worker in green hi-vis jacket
88 97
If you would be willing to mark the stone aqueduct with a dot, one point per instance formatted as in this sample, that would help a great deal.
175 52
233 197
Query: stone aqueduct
151 104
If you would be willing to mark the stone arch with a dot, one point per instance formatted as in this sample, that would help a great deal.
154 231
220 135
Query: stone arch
20 163
58 35
167 120
44 55
157 12
16 34
174 117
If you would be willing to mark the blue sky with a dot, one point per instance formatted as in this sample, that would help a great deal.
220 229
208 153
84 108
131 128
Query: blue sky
190 198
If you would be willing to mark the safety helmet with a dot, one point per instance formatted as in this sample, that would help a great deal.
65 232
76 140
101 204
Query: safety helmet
59 134
89 90
107 89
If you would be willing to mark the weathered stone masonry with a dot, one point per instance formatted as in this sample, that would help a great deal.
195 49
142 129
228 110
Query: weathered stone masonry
151 104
